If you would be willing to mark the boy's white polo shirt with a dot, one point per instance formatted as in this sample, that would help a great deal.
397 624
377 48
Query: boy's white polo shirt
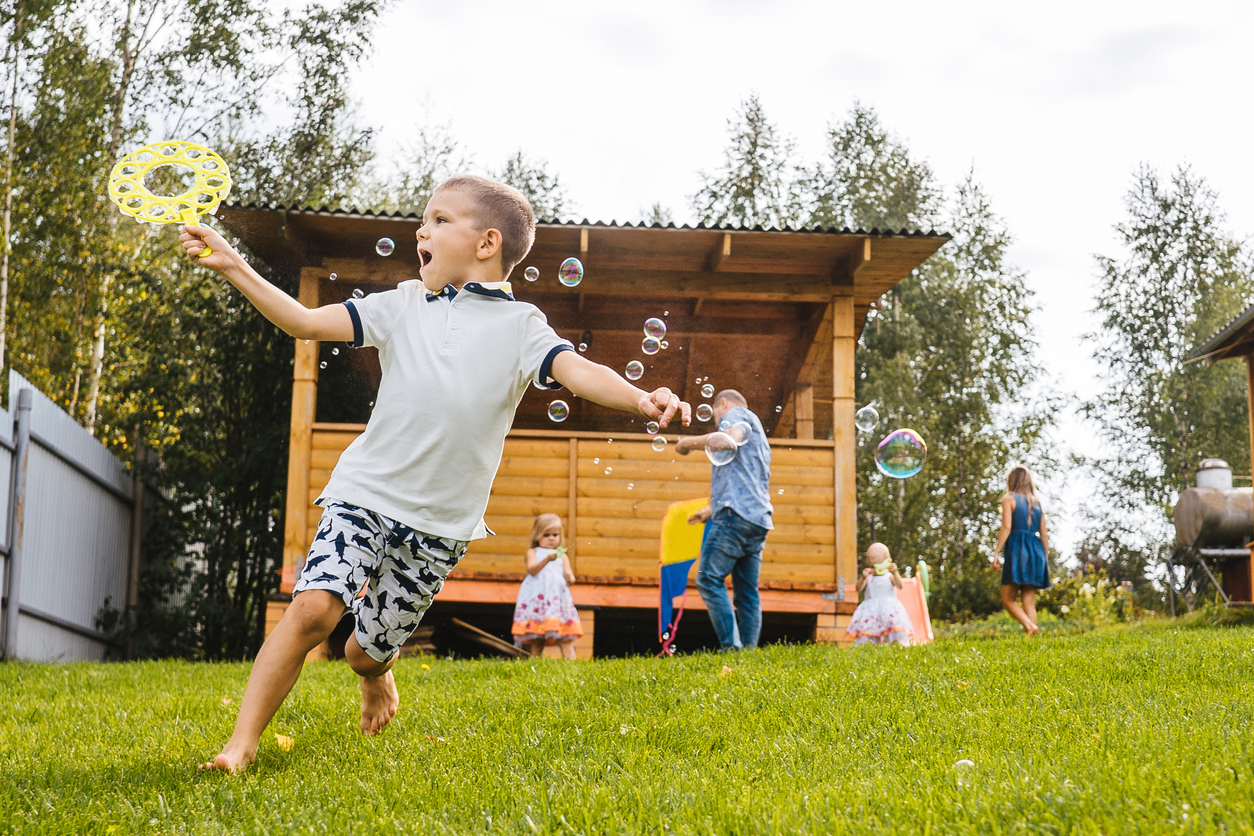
455 366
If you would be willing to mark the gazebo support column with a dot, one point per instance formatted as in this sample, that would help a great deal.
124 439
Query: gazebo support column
1249 394
844 438
304 405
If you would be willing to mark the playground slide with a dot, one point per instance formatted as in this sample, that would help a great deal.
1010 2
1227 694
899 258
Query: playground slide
912 597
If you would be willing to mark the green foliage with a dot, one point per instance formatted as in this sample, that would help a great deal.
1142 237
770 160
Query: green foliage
868 180
1089 597
966 593
1002 625
1215 613
756 182
1182 277
1110 731
185 365
543 188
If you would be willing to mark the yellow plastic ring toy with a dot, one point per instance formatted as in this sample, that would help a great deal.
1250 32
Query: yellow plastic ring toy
213 184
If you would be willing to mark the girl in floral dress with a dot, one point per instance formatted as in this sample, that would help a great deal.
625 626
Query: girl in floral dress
545 613
880 618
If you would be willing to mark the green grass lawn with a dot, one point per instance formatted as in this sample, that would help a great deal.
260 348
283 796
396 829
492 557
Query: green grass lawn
1112 731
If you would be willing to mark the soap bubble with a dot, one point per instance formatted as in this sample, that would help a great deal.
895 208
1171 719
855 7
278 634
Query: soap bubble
720 448
866 418
608 471
583 347
596 461
659 443
665 345
654 327
531 274
780 492
334 276
779 409
357 293
652 427
384 246
631 486
558 411
705 412
635 370
901 454
743 429
323 364
651 345
335 352
707 391
963 768
571 272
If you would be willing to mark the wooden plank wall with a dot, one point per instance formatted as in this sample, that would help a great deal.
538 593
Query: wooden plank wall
619 513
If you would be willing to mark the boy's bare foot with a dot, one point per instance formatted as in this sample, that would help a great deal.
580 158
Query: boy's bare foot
379 701
231 760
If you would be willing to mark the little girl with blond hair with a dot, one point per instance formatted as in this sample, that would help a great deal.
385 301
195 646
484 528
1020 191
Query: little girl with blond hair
545 613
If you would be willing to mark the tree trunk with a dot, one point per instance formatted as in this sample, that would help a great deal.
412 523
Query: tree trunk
6 245
96 366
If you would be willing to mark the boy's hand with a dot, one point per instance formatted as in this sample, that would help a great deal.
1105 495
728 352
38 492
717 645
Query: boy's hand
661 405
196 238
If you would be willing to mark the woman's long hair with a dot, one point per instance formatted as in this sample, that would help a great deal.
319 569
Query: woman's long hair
1020 481
542 524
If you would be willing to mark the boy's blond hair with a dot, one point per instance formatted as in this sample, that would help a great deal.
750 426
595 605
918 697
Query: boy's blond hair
499 207
542 524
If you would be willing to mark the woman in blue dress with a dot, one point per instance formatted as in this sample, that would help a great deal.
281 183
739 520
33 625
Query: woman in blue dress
1021 549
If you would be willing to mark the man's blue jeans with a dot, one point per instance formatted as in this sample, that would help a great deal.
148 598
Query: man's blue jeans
732 546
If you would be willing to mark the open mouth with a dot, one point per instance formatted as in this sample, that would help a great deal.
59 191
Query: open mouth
425 256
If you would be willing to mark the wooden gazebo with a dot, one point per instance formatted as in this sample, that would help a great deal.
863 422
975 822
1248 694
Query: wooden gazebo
1236 340
775 314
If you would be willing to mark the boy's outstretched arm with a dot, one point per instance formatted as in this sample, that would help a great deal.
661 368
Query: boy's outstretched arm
603 385
330 322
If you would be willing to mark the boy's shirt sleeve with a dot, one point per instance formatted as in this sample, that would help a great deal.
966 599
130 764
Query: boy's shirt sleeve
374 316
540 344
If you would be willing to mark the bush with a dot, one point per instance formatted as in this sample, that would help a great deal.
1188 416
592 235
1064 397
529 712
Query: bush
1089 597
967 594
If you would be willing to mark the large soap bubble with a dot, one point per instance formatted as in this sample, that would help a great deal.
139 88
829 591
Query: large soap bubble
654 327
738 430
635 370
531 274
384 246
651 345
901 454
558 411
705 412
570 273
866 418
720 448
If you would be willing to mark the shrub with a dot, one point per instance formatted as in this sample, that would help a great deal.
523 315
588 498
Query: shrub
1089 597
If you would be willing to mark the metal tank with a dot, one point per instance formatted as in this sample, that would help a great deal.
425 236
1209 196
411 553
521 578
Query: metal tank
1214 523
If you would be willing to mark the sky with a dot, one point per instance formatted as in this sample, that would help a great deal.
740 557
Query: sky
1053 108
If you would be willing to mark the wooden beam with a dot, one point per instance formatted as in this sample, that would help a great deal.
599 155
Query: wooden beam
626 323
304 405
847 271
802 370
844 439
572 504
583 243
720 254
804 396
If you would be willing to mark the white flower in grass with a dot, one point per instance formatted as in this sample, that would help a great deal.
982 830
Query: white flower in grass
1065 609
1087 590
622 729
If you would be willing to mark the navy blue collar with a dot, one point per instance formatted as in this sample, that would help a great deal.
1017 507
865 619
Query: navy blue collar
493 290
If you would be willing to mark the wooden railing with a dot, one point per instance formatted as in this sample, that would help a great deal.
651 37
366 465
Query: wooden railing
612 494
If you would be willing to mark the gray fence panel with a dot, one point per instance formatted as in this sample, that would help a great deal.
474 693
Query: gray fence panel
6 476
76 541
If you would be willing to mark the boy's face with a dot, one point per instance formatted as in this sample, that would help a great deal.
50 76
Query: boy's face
450 242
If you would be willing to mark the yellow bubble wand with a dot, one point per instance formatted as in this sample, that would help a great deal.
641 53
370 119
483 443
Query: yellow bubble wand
211 187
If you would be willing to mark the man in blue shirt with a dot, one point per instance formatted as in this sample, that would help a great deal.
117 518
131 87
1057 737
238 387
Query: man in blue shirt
738 517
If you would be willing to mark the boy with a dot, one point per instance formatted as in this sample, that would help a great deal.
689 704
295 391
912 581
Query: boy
408 494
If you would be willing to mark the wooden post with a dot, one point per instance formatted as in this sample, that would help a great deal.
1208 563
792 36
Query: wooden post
1249 394
304 403
572 506
844 450
17 520
803 402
